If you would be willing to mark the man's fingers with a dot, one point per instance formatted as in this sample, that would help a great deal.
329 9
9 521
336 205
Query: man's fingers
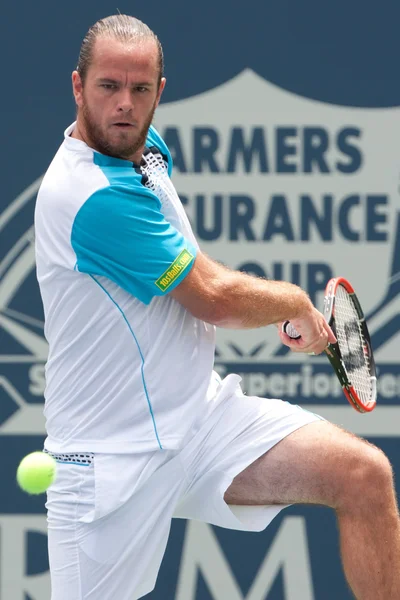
316 347
331 336
316 335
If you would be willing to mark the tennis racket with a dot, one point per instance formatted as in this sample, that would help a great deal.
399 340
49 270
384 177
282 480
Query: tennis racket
351 356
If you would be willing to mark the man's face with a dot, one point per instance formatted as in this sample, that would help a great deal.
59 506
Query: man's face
119 97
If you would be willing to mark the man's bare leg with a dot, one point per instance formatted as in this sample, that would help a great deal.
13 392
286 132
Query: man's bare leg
322 464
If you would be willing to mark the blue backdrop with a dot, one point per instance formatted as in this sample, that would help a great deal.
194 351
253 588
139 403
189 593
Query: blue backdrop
341 54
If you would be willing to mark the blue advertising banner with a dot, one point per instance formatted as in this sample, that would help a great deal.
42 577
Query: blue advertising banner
284 125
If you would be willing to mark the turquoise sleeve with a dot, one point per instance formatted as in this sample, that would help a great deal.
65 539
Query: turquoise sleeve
122 235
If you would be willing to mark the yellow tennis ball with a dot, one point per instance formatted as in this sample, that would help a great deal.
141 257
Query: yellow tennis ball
36 472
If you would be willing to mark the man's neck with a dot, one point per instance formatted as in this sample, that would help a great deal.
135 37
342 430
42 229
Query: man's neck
77 134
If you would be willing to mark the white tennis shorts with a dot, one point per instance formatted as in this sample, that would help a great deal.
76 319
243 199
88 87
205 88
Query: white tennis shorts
109 516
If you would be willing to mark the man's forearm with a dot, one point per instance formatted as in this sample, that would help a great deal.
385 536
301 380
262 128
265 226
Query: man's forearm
247 302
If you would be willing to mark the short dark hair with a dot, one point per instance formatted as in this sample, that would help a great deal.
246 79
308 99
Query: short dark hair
120 27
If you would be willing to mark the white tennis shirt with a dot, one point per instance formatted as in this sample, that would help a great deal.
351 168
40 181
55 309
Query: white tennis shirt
129 369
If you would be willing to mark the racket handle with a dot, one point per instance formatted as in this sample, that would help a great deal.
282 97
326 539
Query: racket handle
291 331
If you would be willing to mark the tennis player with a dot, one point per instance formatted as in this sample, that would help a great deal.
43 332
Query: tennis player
142 427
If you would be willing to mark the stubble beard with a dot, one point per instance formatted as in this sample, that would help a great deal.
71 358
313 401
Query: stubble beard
98 141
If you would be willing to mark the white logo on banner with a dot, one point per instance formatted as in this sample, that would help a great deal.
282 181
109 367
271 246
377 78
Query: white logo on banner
15 584
289 552
295 189
15 267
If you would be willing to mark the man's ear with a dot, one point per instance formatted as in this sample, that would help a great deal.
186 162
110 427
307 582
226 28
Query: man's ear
77 87
160 90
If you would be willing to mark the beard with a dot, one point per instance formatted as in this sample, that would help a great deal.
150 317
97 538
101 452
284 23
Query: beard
125 149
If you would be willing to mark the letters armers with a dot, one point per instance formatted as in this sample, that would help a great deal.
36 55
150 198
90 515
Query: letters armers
279 149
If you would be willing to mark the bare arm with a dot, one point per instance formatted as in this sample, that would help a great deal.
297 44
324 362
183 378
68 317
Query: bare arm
235 300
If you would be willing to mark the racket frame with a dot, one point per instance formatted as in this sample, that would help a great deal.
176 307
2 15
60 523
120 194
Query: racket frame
333 351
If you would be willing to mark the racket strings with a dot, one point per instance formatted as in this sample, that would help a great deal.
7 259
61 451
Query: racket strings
352 344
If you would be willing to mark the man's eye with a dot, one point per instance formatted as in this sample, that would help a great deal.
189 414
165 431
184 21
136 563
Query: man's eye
108 86
141 89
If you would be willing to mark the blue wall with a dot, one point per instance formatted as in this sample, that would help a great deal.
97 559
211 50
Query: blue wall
337 55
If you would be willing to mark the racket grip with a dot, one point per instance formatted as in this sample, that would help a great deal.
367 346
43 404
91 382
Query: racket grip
291 331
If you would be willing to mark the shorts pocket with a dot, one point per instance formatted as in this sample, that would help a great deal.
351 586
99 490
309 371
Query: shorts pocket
72 495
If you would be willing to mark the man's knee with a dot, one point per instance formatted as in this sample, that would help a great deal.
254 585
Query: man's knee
368 477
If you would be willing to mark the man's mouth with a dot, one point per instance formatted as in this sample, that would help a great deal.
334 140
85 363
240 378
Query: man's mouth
123 125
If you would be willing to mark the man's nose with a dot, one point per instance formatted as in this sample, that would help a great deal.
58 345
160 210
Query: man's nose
125 100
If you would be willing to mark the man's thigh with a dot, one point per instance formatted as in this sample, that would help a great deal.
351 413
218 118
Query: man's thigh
310 465
236 433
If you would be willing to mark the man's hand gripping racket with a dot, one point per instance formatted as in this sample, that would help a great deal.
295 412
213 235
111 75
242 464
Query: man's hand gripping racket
351 354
